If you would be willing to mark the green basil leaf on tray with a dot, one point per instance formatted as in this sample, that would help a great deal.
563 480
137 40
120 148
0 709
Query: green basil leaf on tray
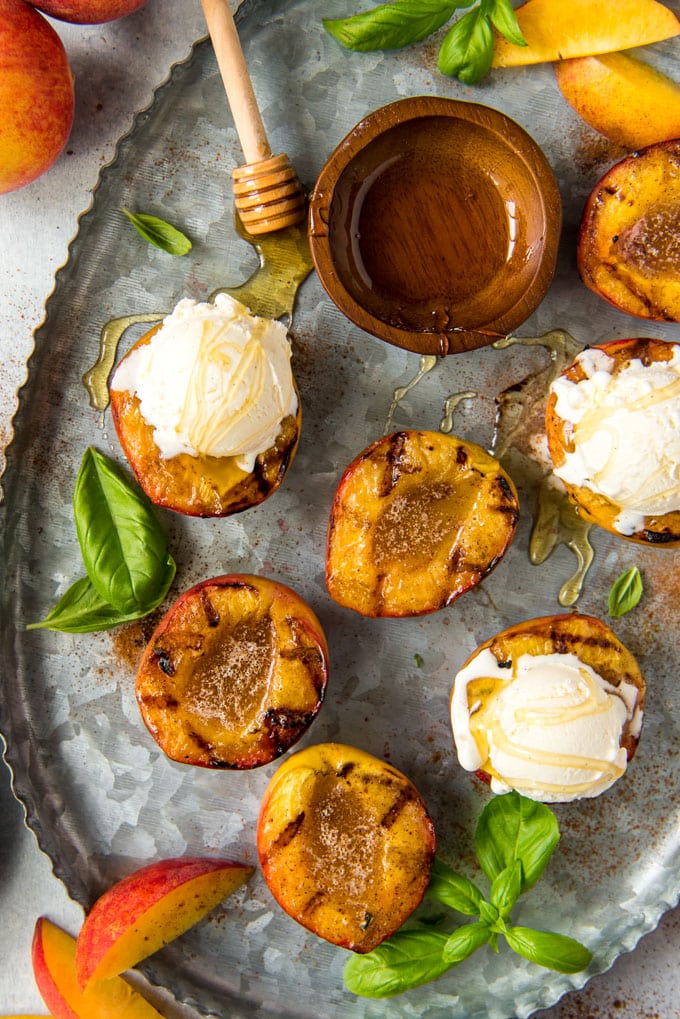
507 888
625 593
467 50
121 540
454 890
554 951
159 233
515 838
464 941
504 19
392 25
406 960
82 610
512 827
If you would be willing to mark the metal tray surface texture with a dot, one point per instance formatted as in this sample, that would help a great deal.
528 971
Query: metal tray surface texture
99 794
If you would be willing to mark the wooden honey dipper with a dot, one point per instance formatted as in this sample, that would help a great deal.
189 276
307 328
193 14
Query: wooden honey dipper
267 193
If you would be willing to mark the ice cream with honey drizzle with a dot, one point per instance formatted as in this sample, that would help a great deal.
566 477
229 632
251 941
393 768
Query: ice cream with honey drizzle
547 725
214 380
624 434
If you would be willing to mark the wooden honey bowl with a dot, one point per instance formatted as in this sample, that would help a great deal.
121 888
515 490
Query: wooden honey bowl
435 224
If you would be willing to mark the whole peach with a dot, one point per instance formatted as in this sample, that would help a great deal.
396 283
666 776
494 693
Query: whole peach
36 95
87 12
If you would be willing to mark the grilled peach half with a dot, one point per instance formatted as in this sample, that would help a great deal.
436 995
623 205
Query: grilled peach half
346 844
234 674
661 529
628 247
200 486
417 519
595 646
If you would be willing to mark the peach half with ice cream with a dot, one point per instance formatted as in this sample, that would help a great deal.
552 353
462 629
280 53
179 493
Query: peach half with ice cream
551 707
207 409
613 429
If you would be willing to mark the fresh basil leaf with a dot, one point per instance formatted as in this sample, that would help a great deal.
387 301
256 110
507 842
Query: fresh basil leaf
554 951
454 890
504 19
625 593
512 827
82 610
507 888
121 541
464 941
159 233
393 25
467 50
408 959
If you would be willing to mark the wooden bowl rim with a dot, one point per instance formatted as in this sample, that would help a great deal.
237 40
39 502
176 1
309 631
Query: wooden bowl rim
513 138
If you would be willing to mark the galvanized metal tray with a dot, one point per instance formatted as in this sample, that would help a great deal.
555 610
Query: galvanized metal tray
99 794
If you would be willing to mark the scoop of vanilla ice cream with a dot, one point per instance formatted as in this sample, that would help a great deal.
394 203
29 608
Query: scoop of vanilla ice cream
548 726
625 428
214 380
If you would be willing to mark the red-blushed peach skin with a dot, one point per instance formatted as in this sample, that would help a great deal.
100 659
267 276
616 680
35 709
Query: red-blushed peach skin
587 637
662 530
37 99
53 956
627 250
418 518
346 844
234 674
149 908
202 486
87 12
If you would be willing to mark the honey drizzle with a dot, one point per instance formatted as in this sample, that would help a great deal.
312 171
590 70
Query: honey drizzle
520 417
427 363
285 262
556 520
96 378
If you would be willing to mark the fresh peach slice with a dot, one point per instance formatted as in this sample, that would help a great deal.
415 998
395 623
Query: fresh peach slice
53 955
623 98
583 28
142 912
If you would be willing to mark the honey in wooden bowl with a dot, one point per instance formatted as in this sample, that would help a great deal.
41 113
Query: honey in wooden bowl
435 224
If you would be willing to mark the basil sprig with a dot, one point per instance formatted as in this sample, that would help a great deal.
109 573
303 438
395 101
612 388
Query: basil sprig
129 568
159 233
514 840
467 50
625 593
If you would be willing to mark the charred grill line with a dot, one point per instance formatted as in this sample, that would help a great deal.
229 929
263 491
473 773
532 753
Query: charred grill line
211 614
285 837
404 797
164 661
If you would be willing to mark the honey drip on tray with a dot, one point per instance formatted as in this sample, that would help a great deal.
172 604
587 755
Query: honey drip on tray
426 364
519 443
96 378
285 262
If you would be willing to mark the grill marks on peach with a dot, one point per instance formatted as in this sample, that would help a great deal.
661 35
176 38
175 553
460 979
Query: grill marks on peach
234 675
586 637
417 519
346 844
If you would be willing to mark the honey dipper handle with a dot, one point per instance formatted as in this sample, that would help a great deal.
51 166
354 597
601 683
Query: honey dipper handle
236 79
